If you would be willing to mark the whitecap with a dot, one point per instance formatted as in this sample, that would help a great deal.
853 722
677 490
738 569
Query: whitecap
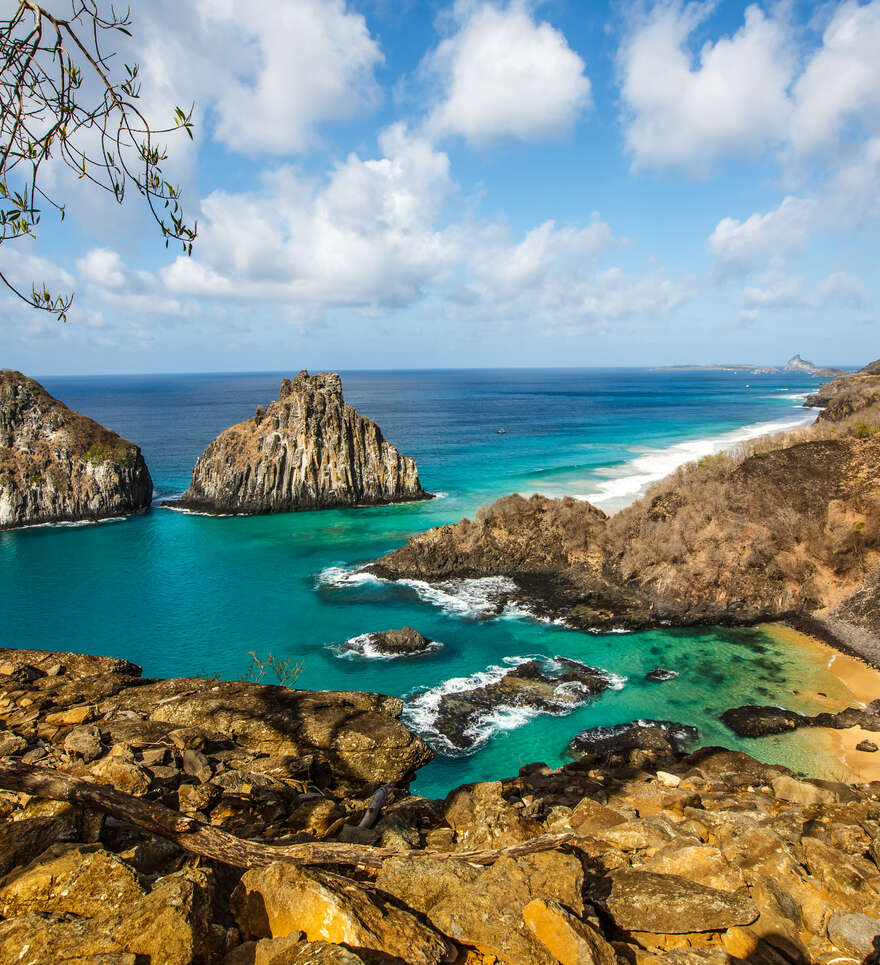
339 576
422 707
477 597
624 484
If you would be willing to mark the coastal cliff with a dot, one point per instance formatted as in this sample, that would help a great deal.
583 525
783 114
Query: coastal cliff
203 822
783 528
57 465
307 450
848 394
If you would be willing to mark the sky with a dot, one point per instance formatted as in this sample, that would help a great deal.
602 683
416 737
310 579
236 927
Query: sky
385 184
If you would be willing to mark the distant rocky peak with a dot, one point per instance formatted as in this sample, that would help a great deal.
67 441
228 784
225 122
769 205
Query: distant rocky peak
797 364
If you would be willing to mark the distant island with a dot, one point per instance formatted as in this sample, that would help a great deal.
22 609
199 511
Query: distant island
794 364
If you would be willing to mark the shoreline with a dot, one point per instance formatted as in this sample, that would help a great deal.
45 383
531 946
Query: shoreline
861 679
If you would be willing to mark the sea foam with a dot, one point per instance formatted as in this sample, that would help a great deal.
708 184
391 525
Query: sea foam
626 483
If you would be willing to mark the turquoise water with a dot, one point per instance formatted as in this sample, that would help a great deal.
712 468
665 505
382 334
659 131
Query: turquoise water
182 594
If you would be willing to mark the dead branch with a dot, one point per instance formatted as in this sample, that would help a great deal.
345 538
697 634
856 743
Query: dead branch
210 842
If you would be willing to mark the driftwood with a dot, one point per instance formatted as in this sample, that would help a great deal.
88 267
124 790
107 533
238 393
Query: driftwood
210 842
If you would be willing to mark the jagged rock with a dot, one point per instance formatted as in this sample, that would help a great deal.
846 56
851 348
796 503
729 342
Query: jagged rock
660 675
423 882
488 913
568 939
21 841
282 899
57 465
868 746
70 879
482 818
701 863
756 721
670 905
662 736
84 742
308 450
528 685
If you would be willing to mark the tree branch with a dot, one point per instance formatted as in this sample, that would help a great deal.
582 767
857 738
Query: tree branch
210 842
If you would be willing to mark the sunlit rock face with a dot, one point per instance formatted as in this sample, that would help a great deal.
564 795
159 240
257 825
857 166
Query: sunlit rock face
307 450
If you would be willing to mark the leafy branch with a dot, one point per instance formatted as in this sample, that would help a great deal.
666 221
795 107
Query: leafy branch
46 112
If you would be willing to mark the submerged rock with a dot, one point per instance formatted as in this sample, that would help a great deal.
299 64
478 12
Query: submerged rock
307 450
57 465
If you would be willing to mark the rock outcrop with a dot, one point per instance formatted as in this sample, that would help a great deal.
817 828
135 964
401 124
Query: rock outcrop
405 642
797 364
654 857
848 394
786 528
57 465
307 450
758 721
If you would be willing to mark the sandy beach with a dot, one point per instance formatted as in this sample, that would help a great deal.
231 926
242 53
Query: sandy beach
837 757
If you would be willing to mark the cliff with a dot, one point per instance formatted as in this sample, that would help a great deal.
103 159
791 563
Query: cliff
307 450
786 527
57 465
848 394
632 853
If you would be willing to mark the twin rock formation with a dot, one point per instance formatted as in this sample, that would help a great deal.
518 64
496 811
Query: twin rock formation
308 450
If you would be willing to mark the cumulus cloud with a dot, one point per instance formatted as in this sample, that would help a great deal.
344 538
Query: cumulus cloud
742 245
102 266
841 82
266 79
685 109
505 75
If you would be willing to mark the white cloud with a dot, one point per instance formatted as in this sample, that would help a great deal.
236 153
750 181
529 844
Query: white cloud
742 245
267 78
729 99
365 239
506 75
102 266
793 291
841 83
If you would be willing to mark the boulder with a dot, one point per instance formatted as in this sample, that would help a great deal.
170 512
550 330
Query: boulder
291 951
568 939
669 904
72 879
84 742
423 882
661 736
488 913
482 818
282 899
405 642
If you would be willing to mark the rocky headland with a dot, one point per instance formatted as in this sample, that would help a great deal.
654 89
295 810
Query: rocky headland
847 395
57 465
196 821
787 527
308 449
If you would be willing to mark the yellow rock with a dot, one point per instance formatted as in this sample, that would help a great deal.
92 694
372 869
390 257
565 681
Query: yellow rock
568 939
72 716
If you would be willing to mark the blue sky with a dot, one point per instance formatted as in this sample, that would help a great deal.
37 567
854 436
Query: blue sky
412 184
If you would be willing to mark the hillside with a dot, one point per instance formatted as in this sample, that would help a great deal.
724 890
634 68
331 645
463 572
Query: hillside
784 527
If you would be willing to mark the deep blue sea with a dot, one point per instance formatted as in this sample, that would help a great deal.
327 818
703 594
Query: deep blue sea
183 594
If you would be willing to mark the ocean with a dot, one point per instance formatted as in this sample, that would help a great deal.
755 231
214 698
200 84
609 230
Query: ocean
183 594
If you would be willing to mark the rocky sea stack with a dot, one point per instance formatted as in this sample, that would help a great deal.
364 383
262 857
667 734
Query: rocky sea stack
57 465
308 450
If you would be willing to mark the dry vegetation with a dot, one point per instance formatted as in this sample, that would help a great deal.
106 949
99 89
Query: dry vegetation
780 525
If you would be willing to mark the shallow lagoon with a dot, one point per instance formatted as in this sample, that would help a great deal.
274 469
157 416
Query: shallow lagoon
185 594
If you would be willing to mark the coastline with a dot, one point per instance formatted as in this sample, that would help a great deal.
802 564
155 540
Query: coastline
835 754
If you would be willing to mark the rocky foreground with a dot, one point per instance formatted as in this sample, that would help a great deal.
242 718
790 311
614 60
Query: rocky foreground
57 465
307 450
786 528
634 853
